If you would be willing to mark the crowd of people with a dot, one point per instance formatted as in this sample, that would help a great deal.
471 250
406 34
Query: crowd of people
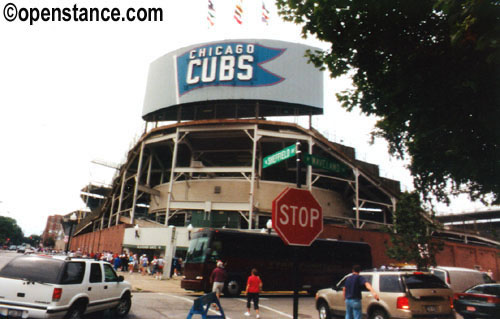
134 263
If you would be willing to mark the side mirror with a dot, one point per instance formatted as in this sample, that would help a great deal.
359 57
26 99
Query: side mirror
121 278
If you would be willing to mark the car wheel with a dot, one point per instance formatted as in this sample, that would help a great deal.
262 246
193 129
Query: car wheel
379 314
233 287
123 307
324 311
75 312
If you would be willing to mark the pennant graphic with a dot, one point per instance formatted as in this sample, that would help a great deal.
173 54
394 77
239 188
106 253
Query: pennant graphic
265 14
238 12
234 64
211 14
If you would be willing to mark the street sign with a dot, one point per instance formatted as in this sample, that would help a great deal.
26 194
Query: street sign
297 217
329 165
279 156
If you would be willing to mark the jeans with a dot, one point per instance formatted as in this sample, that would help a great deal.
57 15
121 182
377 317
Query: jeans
353 309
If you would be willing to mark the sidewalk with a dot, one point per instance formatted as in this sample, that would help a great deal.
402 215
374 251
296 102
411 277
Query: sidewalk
148 283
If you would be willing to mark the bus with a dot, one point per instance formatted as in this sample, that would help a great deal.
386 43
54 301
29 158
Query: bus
321 265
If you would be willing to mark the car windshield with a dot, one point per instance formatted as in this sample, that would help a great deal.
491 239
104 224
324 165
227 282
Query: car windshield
423 281
36 269
486 289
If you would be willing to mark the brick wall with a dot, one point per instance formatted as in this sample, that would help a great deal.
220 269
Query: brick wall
109 239
453 254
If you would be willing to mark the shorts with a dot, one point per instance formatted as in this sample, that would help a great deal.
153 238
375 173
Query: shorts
218 287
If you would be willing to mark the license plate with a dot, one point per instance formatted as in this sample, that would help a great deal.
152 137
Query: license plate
431 308
470 308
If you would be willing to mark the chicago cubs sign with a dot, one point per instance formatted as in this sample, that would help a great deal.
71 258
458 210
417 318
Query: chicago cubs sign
233 76
226 64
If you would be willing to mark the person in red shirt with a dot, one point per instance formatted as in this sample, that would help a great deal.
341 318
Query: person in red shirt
254 285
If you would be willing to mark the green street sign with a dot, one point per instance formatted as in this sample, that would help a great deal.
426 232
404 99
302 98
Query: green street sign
323 163
279 156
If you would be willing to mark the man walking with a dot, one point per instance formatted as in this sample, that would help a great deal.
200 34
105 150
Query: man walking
217 278
352 293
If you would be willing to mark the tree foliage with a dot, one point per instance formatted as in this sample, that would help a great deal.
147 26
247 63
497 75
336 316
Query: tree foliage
10 232
412 240
49 242
429 70
33 240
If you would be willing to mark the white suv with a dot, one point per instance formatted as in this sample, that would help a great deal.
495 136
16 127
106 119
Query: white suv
61 287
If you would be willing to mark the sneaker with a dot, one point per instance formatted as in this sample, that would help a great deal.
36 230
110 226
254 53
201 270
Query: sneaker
247 314
257 316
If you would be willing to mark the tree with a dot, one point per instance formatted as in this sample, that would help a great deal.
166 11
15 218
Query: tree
412 239
11 231
33 240
429 70
49 242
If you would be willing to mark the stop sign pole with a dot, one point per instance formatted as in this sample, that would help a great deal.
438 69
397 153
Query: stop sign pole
297 218
296 249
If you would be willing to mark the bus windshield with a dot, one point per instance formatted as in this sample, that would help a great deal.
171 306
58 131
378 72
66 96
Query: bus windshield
197 250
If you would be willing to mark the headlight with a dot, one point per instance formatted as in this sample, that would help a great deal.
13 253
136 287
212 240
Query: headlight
199 277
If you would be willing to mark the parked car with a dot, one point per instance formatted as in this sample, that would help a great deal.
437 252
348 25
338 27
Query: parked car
402 294
481 301
12 247
37 286
459 279
29 251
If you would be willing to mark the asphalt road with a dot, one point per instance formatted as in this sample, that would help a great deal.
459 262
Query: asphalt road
155 305
177 305
164 305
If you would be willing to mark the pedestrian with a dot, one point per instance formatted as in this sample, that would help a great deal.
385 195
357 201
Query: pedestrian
178 267
154 266
490 274
144 262
124 258
117 262
132 261
217 278
173 267
352 293
161 264
254 286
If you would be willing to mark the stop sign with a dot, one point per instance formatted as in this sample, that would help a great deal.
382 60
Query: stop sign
297 217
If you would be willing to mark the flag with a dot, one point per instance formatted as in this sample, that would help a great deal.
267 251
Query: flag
238 11
265 13
211 13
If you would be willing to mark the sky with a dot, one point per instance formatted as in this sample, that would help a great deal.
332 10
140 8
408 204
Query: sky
72 93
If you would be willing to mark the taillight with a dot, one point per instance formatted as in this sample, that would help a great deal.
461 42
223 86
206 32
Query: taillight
402 303
57 294
495 300
451 302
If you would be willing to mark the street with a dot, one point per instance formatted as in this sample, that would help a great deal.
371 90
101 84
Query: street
163 305
177 304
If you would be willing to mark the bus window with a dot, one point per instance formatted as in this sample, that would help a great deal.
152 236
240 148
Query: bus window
197 250
215 250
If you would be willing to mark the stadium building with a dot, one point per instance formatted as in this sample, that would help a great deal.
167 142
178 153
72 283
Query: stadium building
212 155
